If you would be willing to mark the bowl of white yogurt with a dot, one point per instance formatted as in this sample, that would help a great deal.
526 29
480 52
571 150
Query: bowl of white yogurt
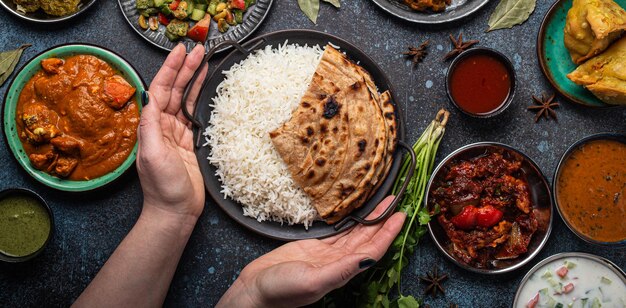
572 280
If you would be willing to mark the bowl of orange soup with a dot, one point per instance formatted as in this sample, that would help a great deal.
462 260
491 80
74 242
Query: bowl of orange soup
590 188
71 116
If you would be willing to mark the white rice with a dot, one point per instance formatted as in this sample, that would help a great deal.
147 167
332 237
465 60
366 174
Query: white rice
257 96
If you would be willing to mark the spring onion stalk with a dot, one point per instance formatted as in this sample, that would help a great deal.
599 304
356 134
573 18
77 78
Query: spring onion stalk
388 272
372 288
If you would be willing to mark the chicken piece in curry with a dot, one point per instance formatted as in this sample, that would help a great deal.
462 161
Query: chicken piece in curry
77 118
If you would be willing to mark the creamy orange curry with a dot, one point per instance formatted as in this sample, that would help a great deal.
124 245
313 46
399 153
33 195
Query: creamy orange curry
76 118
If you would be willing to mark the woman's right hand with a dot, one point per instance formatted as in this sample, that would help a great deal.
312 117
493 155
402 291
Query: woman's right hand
166 162
302 272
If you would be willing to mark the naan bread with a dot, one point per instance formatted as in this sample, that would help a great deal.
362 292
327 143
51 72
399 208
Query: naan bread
340 140
392 135
591 26
605 75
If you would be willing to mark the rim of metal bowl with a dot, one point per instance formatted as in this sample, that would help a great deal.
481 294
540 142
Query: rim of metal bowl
86 5
608 263
557 174
529 256
390 8
42 202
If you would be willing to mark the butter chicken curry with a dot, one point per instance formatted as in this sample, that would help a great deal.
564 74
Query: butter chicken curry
76 118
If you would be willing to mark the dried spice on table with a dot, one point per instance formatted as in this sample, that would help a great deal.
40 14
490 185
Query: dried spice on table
417 54
435 281
544 107
459 46
9 60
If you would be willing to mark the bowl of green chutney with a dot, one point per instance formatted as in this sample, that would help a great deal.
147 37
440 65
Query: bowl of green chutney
26 224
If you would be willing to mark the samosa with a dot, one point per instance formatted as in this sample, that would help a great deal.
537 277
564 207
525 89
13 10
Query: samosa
591 26
605 74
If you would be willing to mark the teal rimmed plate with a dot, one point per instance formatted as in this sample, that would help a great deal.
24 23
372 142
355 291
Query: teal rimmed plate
555 60
10 105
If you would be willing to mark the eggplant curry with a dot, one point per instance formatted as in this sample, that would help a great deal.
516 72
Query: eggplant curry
76 118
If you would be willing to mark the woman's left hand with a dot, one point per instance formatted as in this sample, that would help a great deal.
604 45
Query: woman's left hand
300 273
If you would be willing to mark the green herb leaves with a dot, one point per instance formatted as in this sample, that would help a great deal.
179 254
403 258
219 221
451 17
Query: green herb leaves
8 62
509 13
379 281
311 8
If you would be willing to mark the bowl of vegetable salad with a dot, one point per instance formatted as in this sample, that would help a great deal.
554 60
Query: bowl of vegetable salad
165 23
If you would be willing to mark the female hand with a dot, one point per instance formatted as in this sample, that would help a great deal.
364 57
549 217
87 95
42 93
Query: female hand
167 166
302 272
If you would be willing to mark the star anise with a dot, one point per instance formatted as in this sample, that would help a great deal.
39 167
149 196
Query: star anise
435 281
459 46
544 107
417 54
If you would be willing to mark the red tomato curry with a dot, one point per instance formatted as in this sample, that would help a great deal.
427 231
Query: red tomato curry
76 118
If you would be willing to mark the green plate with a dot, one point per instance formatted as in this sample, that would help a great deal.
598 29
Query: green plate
10 105
555 60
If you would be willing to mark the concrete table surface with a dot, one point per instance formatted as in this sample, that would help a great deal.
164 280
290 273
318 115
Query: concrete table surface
89 226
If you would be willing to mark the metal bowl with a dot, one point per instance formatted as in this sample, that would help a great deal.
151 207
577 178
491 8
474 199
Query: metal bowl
27 192
41 17
539 196
557 174
457 11
519 302
495 54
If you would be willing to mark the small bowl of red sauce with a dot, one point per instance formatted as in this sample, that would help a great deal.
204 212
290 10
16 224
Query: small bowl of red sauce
481 82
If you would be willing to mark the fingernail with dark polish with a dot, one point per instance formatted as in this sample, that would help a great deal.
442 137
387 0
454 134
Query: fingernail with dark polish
366 263
145 99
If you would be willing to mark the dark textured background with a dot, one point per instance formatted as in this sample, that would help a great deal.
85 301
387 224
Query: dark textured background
89 226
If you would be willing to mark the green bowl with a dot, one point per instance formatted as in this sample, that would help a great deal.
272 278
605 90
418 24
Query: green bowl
10 105
555 60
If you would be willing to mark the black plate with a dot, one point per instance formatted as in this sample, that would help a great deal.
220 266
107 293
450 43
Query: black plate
202 113
41 17
252 19
458 9
540 197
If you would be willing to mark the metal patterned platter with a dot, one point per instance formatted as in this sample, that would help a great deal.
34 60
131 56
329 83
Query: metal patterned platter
458 9
252 18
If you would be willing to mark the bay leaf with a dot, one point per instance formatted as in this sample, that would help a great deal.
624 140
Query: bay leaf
335 3
310 8
509 13
9 60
